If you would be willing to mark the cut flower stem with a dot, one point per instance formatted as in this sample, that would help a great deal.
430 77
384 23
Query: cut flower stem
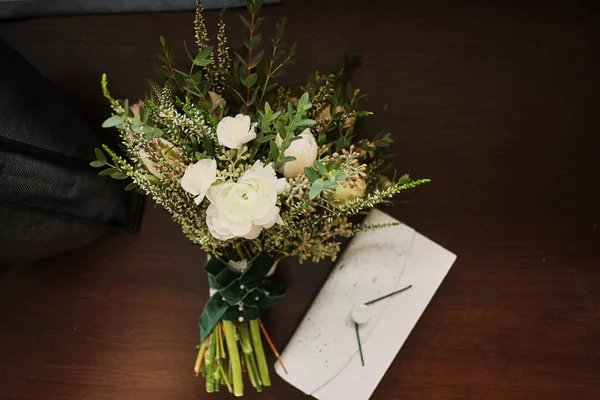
261 360
234 356
221 363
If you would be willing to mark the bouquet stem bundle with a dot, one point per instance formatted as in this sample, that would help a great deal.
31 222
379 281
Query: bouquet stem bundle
231 348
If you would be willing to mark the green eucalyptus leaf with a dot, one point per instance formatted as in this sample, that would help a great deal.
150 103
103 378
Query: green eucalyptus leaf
100 155
268 110
131 186
256 59
349 91
273 150
404 179
264 125
266 138
187 51
144 114
184 74
97 164
204 105
242 98
320 167
246 23
246 41
329 185
107 171
287 159
311 174
197 76
208 145
339 175
243 74
292 50
277 73
254 95
202 63
306 122
340 144
278 54
303 101
118 175
136 126
152 179
255 42
316 188
115 120
258 23
321 138
250 80
270 87
204 53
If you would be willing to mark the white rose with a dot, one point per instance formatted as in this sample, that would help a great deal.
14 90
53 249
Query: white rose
356 191
198 178
305 150
234 132
217 100
246 207
168 150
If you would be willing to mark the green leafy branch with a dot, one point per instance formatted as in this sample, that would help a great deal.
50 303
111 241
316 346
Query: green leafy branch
322 179
285 125
247 77
277 52
113 170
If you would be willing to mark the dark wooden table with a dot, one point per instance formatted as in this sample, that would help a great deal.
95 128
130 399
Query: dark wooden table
497 103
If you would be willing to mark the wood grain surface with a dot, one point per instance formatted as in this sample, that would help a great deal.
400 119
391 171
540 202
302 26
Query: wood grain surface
497 103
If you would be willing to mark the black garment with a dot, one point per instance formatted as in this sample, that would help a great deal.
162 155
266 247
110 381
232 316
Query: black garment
51 200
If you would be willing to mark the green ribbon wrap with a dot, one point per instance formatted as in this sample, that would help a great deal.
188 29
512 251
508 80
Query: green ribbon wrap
239 294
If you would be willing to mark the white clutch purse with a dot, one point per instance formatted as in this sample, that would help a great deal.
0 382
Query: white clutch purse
322 358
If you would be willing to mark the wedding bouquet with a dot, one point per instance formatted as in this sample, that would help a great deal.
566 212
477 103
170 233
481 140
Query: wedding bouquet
255 171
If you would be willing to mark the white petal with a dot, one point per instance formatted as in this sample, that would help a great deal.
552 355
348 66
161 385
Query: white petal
282 185
199 198
254 232
212 213
269 218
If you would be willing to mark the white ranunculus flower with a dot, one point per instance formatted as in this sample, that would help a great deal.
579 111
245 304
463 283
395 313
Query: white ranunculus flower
246 207
234 132
198 178
305 150
168 150
217 100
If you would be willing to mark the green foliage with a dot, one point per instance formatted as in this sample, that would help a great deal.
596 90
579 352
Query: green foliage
100 156
115 120
375 227
177 126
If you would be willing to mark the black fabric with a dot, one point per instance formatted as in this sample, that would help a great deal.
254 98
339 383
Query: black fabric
44 8
51 200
